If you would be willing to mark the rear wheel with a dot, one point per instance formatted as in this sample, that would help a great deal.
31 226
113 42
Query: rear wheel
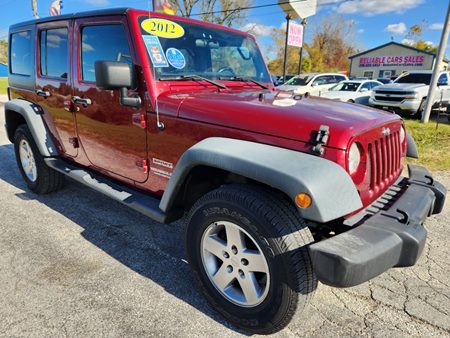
37 175
247 250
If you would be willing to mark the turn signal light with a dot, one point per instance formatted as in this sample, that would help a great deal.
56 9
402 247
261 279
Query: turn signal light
303 200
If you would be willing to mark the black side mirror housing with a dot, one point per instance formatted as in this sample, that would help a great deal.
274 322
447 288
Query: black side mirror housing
113 75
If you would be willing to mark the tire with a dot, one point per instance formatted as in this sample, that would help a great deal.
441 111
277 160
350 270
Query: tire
350 101
418 114
270 226
39 178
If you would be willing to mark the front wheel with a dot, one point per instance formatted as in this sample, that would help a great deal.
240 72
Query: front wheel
39 178
247 250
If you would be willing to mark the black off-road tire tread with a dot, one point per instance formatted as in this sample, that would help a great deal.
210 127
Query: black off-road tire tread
48 180
282 214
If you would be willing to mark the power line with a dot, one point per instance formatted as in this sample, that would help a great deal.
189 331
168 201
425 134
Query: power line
246 8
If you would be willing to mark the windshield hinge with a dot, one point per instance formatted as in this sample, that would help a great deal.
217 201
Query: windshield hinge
321 139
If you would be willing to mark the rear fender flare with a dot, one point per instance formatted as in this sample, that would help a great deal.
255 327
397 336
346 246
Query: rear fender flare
32 114
333 192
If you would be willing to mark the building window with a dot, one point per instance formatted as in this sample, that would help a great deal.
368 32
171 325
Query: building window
54 54
368 75
21 53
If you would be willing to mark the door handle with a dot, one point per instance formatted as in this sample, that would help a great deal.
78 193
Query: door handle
79 100
42 93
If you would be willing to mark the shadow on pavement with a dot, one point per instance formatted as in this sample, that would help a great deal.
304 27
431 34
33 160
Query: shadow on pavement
153 250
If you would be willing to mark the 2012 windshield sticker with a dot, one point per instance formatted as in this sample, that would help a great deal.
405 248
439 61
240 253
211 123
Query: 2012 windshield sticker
155 51
175 58
163 28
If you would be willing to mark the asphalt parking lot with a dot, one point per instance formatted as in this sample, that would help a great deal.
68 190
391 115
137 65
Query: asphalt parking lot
77 264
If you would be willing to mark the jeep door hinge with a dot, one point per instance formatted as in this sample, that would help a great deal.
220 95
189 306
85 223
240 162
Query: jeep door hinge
140 120
321 139
143 164
74 142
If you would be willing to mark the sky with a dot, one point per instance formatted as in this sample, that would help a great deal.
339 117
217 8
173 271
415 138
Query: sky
376 21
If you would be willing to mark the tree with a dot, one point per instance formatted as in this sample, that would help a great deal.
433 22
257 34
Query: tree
414 39
225 12
3 51
184 7
222 12
333 41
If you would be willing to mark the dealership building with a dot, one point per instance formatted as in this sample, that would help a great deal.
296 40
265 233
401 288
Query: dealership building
390 60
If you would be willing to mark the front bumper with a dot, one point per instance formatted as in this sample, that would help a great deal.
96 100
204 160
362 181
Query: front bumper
411 106
391 236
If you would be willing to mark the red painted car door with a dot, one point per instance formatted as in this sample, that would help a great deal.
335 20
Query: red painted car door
53 83
107 131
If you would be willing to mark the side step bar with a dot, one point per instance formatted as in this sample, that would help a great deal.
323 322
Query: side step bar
145 204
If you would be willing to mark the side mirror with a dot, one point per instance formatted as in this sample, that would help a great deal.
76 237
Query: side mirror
364 90
112 75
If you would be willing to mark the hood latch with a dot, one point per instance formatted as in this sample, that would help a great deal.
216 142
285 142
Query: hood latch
321 139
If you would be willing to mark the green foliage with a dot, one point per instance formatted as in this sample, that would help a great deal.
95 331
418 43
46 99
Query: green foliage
3 85
3 51
433 144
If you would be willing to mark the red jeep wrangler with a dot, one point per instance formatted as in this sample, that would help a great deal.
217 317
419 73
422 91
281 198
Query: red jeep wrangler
174 117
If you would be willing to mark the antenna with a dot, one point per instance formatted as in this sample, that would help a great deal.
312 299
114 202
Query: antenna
159 124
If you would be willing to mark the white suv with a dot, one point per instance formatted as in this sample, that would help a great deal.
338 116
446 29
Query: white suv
407 94
313 83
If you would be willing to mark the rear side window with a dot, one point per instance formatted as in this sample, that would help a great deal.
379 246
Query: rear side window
54 54
102 43
21 53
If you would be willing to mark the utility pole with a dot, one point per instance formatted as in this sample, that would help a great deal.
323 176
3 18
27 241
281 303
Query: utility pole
288 20
301 48
34 8
436 70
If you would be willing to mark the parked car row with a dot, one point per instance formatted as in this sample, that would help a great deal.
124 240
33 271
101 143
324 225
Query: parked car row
405 95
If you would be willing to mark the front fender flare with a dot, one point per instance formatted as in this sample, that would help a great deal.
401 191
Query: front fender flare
331 188
33 116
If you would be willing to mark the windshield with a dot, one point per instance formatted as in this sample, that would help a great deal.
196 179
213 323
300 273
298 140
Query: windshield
414 78
301 80
346 87
194 49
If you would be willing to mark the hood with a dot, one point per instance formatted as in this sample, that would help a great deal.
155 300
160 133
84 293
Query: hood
337 94
265 113
401 86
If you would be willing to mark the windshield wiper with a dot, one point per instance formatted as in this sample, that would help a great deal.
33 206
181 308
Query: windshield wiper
193 77
244 79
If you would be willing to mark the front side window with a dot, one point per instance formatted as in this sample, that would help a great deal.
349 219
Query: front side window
102 43
443 80
216 54
21 53
54 54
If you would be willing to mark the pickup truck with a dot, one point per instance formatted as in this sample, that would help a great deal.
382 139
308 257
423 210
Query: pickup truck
178 119
407 95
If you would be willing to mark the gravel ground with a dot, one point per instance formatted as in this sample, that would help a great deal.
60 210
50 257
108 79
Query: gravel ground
74 263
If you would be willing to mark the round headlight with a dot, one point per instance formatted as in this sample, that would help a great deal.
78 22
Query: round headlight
354 158
402 134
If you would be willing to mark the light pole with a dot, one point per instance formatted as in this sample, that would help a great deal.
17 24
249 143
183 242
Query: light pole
436 70
288 20
34 8
301 48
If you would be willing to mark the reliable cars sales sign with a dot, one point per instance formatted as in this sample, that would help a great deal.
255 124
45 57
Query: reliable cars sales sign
396 60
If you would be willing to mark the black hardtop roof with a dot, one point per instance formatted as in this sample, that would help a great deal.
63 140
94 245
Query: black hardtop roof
102 12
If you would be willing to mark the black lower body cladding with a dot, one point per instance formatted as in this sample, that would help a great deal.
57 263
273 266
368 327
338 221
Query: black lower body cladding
393 236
